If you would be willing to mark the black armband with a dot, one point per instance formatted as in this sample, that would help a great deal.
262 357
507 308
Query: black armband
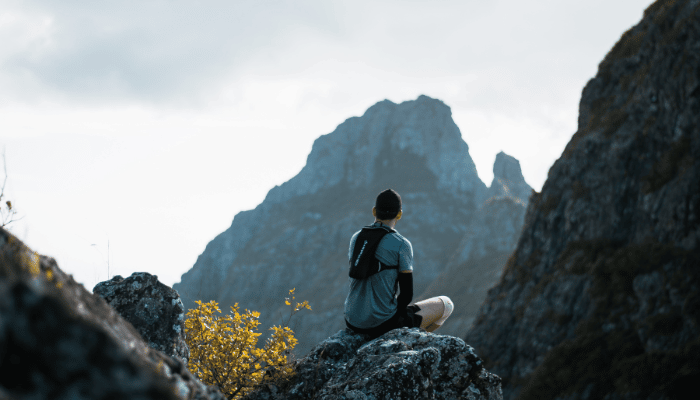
406 288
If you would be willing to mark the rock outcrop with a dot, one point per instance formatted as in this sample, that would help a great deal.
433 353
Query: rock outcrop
154 309
298 236
508 180
59 341
401 364
601 298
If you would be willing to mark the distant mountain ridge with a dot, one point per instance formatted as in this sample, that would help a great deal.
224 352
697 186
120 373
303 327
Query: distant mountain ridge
298 236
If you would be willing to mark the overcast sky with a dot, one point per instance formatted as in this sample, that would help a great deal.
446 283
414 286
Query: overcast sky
149 124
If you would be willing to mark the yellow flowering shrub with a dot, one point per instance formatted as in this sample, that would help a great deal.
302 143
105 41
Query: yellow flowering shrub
224 352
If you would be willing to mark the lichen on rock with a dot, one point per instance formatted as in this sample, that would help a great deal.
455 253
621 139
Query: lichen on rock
405 363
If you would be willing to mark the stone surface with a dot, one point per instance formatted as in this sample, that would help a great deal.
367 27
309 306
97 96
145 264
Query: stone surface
298 236
402 364
601 298
59 341
154 309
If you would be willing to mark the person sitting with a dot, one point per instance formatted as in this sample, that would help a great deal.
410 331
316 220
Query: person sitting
381 261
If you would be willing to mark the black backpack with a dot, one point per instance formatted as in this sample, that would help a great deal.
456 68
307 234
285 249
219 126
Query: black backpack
363 264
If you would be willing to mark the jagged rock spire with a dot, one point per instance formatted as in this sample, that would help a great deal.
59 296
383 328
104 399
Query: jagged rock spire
508 180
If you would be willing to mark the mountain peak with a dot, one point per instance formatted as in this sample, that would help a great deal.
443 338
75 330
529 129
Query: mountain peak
507 167
363 148
380 105
421 104
508 180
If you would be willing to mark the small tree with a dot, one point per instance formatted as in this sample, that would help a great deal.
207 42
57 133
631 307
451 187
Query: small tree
224 352
7 213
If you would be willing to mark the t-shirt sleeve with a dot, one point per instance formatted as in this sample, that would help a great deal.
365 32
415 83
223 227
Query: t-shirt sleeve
406 256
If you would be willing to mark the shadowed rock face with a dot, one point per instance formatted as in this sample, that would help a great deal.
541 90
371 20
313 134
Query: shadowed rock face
154 309
59 341
402 364
601 298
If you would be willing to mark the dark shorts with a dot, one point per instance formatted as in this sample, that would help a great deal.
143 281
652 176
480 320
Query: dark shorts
409 319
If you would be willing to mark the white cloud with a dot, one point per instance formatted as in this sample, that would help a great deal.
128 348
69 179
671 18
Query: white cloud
159 52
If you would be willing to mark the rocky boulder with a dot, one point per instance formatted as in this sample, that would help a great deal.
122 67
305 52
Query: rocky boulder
401 364
59 341
154 309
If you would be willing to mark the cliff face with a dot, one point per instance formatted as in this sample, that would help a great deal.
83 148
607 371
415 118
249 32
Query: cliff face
601 298
299 236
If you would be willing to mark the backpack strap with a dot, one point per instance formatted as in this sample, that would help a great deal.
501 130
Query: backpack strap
363 262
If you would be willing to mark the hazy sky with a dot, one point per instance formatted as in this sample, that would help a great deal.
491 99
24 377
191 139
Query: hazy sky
150 124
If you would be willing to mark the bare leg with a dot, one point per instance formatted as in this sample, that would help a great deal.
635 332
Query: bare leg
434 311
431 310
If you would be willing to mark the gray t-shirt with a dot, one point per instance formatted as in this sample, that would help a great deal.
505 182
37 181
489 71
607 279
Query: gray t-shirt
372 301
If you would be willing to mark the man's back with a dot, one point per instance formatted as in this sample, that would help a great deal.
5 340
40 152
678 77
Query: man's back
372 301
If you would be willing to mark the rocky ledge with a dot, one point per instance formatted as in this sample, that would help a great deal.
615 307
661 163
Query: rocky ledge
402 364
